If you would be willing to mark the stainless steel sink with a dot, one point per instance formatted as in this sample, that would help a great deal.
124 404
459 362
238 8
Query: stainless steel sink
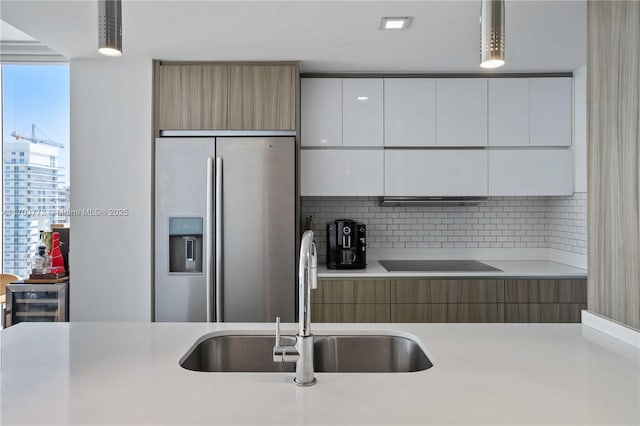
332 354
368 354
236 353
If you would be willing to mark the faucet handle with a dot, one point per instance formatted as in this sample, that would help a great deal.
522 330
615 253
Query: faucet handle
313 267
277 331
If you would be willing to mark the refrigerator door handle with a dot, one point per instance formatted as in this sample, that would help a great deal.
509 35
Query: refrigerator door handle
219 240
208 242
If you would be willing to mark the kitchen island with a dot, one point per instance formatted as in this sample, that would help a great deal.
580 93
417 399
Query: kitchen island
129 373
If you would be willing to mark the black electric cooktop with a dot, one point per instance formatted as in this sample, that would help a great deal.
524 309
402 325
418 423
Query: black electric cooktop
436 266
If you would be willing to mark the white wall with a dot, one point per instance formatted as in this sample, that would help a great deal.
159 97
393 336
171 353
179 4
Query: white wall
580 128
110 259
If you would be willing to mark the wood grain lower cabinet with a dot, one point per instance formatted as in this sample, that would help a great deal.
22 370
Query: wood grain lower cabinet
543 312
351 291
446 300
544 300
446 291
447 312
351 301
449 300
350 312
545 291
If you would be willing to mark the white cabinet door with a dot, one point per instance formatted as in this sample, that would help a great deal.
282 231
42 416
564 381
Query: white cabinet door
362 112
434 172
530 172
461 112
509 112
321 112
409 112
551 111
333 172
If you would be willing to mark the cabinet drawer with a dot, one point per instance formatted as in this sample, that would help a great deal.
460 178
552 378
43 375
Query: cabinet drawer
543 312
447 312
446 291
351 291
350 312
545 291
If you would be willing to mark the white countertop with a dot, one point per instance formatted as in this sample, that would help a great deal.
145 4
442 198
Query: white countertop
508 269
118 373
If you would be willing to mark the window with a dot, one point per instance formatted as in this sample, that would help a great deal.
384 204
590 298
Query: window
35 129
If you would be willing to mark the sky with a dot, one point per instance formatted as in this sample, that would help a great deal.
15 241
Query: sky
37 94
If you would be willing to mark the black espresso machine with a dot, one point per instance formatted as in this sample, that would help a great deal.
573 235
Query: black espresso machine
346 244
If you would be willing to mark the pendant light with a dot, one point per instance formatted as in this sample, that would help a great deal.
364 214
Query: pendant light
492 33
110 27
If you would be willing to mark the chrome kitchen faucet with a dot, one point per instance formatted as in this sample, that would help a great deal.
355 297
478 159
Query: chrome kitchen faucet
302 352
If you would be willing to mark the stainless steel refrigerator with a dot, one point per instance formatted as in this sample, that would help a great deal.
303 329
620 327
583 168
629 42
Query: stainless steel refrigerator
225 229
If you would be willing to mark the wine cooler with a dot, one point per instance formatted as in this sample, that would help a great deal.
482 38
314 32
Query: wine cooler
36 303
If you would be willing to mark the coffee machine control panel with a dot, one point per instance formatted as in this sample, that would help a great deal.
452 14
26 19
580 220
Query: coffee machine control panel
346 244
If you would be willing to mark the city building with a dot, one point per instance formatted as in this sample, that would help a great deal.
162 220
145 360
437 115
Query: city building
34 196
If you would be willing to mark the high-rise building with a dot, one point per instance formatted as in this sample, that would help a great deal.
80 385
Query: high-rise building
34 193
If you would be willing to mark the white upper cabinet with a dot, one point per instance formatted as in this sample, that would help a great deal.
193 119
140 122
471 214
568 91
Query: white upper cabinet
321 112
362 112
461 112
435 172
341 172
530 172
409 112
509 112
551 106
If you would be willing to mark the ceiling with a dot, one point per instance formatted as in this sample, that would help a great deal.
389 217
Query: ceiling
326 36
11 33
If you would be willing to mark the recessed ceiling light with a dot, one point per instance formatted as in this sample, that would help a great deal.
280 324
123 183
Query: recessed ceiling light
398 23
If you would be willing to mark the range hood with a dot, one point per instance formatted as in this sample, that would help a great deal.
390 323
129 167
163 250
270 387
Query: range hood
432 201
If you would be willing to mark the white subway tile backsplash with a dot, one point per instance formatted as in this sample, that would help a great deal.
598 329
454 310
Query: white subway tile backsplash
501 222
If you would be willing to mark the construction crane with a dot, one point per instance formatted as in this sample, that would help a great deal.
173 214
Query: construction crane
36 140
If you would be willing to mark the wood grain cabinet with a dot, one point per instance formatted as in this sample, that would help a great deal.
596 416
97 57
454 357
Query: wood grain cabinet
351 301
544 300
191 97
220 96
262 97
445 300
449 300
447 312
